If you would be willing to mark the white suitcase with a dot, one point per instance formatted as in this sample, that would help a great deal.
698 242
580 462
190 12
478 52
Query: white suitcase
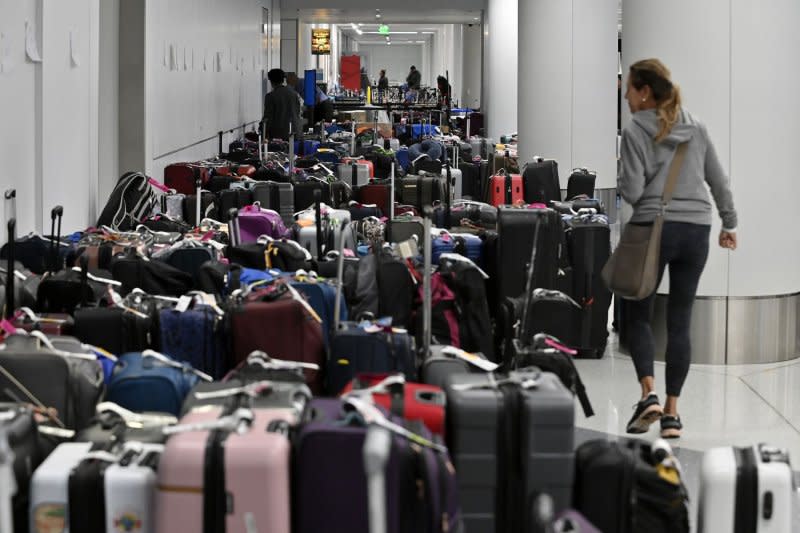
50 488
746 489
456 182
345 173
392 144
130 490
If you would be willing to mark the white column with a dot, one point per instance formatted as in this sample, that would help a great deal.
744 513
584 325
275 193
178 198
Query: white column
568 85
500 67
472 63
737 79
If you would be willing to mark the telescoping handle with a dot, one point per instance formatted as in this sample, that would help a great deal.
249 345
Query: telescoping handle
12 226
377 446
233 226
522 333
426 282
198 183
318 221
11 200
337 313
55 236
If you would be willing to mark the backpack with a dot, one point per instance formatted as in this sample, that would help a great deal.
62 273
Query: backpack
131 201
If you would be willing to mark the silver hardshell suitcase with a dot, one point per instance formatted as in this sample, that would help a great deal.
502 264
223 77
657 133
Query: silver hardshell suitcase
50 488
746 489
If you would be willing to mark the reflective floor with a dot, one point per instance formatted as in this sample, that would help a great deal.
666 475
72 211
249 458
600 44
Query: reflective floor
720 406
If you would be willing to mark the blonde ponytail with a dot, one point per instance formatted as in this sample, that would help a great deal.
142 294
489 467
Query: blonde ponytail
654 73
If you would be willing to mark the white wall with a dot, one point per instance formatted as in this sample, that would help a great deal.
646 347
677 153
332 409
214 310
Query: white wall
472 66
190 102
48 129
108 95
396 59
568 85
735 79
289 45
500 67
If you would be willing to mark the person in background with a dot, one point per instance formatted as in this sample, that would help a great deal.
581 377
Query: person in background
281 107
364 80
445 91
414 79
658 126
324 106
383 81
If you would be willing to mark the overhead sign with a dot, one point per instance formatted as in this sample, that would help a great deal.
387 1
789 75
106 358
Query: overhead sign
383 29
320 41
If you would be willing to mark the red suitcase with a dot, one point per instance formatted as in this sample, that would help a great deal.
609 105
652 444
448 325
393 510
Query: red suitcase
375 193
182 177
411 401
506 189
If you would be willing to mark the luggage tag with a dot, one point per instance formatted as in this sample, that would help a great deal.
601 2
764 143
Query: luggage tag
471 358
373 415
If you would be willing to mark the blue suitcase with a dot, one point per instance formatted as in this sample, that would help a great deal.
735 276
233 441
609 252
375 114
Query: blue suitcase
321 297
356 349
196 337
470 246
150 381
403 158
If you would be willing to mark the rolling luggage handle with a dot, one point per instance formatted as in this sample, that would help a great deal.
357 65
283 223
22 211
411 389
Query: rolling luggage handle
373 416
12 226
318 221
198 183
238 422
55 238
131 418
268 363
376 450
427 247
163 359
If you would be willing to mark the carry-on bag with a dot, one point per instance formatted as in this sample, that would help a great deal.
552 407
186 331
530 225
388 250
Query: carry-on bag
506 189
130 490
20 455
581 183
49 509
540 182
512 438
746 489
276 197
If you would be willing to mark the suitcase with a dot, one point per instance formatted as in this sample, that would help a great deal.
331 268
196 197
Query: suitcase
86 488
355 174
150 381
421 191
375 193
133 199
182 177
281 326
19 435
253 221
409 401
333 496
465 244
456 182
540 182
230 199
588 240
746 489
277 197
395 289
208 208
506 189
49 509
618 487
403 228
510 442
581 183
361 211
232 478
70 385
515 233
346 173
471 186
114 329
197 337
304 193
130 491
114 426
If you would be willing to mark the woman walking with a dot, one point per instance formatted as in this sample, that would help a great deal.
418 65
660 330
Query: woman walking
658 126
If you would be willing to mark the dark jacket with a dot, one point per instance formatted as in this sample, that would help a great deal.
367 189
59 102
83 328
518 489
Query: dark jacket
282 106
414 79
383 83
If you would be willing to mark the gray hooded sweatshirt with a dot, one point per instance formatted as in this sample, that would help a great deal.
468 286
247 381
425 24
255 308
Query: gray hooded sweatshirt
645 165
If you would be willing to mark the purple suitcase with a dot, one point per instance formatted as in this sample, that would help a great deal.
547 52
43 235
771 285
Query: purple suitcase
253 222
330 479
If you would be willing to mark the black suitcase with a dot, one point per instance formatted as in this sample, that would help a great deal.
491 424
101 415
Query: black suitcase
208 208
114 329
581 182
540 182
589 247
304 193
515 233
232 198
509 443
421 191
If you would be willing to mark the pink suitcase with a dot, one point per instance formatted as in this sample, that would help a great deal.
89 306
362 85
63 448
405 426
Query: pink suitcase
249 474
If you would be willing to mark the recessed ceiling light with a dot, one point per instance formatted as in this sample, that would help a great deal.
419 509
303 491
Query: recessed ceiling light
476 18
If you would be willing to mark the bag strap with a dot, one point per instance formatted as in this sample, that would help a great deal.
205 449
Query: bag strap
672 177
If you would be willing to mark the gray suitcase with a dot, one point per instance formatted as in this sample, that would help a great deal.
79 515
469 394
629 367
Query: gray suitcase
345 173
489 418
277 197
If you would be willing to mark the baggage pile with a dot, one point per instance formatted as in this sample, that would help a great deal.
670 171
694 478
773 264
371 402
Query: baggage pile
327 335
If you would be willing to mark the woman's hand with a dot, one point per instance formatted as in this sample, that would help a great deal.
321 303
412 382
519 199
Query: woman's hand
727 239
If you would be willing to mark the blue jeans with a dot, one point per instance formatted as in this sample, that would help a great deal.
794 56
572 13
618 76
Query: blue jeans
684 247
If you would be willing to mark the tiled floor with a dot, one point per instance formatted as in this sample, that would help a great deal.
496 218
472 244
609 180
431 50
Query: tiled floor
720 406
